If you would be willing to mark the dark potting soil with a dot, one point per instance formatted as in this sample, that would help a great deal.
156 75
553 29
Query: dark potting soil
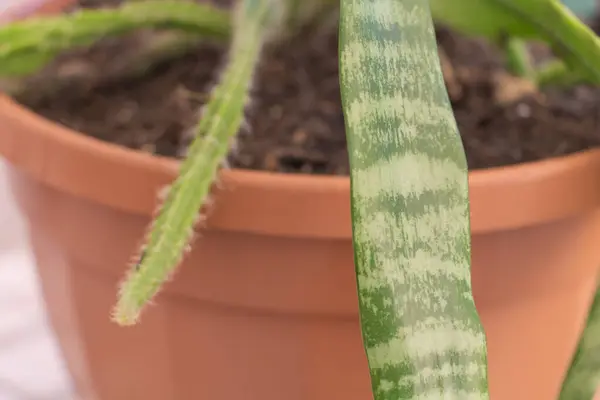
295 120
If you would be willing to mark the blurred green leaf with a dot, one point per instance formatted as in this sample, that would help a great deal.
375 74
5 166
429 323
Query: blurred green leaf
27 46
547 20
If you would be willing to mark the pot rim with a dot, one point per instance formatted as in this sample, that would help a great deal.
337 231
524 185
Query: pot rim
295 205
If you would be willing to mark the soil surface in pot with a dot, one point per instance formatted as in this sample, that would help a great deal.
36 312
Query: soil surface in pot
295 122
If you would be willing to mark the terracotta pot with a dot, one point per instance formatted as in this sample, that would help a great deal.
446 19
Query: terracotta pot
264 308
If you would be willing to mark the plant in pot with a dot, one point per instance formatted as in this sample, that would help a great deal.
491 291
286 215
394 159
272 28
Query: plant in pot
264 305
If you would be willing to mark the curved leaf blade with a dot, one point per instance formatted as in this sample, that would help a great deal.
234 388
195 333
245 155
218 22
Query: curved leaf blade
410 210
27 46
548 20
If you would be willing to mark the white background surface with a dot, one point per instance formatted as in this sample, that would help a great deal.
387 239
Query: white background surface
31 367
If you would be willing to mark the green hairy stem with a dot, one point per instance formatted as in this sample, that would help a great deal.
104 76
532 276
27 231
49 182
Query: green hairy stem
172 229
410 207
27 46
583 377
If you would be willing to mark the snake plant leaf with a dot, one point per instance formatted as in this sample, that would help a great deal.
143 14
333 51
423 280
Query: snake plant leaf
583 377
410 207
547 20
27 46
172 229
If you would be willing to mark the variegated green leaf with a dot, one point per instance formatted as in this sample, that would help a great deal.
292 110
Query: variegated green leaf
583 378
410 207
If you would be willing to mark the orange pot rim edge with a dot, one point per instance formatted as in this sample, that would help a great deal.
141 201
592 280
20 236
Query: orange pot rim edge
501 198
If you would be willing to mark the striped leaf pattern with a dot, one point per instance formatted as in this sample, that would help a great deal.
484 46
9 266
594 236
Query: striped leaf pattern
410 212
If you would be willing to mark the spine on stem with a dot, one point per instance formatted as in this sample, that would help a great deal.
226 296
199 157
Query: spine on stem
254 21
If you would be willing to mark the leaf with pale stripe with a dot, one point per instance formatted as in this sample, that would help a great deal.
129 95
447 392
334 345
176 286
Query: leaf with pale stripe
410 212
